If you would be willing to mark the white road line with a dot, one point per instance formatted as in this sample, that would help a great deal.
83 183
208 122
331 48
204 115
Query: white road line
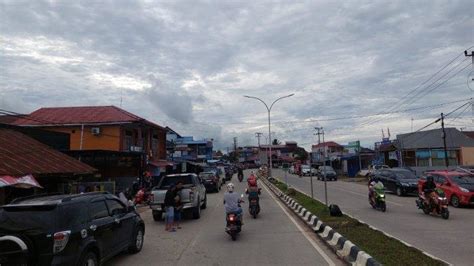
311 241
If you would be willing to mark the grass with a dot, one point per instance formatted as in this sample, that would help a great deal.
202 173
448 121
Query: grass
384 249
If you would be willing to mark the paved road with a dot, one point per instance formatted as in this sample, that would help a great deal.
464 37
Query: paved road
451 240
271 239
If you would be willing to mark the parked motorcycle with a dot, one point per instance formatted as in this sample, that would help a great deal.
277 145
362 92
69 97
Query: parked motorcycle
378 200
436 203
142 197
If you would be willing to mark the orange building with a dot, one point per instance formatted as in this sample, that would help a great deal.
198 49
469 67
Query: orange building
118 143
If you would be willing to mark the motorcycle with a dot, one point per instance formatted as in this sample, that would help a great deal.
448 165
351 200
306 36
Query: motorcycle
234 224
378 200
436 203
142 197
254 206
240 177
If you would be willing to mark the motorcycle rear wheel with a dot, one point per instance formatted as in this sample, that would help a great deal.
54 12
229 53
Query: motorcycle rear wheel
445 214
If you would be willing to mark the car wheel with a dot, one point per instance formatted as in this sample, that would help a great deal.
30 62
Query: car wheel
204 205
197 211
157 216
137 243
399 192
89 259
455 201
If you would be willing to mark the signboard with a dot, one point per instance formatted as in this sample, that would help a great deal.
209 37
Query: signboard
353 147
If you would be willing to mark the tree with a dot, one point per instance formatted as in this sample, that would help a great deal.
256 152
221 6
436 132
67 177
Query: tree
301 154
276 142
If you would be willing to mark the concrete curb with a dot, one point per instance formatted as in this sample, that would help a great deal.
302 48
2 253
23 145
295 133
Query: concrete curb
344 249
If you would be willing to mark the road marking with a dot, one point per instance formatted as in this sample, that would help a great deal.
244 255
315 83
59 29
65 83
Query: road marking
315 246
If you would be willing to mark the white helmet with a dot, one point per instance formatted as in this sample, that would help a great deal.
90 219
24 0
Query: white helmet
230 187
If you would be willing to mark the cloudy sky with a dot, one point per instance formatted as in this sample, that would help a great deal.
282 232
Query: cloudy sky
187 64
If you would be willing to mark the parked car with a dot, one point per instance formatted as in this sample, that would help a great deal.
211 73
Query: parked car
211 181
327 171
458 186
305 170
398 180
314 171
372 169
81 229
193 194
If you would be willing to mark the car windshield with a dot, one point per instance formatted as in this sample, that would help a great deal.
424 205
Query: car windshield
172 180
464 180
405 175
206 175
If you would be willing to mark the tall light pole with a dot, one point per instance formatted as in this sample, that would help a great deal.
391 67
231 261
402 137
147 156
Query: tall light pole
269 109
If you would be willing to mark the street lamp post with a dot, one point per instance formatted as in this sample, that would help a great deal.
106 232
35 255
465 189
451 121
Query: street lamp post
269 109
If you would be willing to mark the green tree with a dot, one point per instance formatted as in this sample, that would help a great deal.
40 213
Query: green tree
301 154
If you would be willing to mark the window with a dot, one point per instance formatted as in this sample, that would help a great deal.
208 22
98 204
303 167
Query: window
115 207
423 157
98 210
439 179
72 215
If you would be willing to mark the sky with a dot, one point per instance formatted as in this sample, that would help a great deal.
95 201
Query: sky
188 64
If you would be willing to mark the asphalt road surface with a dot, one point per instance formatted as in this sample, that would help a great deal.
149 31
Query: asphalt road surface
451 240
275 238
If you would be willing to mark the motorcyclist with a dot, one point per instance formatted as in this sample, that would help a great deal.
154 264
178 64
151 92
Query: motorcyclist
372 182
232 202
240 172
428 188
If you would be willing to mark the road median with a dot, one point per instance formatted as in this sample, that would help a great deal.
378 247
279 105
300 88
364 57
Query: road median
351 239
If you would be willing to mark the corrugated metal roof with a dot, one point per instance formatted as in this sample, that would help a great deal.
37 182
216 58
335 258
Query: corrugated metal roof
79 115
21 155
433 139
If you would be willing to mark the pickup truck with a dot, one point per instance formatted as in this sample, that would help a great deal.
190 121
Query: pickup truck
193 195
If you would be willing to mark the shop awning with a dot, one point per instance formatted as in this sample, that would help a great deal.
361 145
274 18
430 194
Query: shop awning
27 181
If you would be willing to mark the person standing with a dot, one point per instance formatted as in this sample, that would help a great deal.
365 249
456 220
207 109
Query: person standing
170 203
178 210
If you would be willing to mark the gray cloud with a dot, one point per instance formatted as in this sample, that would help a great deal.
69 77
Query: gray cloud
187 64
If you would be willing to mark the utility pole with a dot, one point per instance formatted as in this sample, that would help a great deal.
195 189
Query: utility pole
472 101
412 124
235 149
319 129
324 173
258 135
446 159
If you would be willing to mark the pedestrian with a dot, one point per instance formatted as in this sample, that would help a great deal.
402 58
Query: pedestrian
170 203
178 205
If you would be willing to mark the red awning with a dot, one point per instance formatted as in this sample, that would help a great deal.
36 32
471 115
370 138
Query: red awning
27 181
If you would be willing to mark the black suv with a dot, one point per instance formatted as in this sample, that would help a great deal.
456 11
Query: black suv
82 229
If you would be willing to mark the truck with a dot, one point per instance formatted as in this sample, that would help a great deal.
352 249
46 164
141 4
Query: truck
193 195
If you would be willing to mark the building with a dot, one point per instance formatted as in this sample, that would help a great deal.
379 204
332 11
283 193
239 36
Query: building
425 149
53 170
280 153
330 149
188 149
121 145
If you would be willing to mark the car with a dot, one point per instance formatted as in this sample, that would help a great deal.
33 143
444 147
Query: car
314 171
305 170
327 172
398 180
211 181
80 229
193 194
457 185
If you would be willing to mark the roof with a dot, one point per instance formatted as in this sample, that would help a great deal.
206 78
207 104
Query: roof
28 156
469 134
56 116
7 119
172 131
327 144
433 139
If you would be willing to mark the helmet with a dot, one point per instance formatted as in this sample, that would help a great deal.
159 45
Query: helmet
252 182
429 179
230 187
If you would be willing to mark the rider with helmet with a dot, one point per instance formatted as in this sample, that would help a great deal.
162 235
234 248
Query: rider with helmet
232 201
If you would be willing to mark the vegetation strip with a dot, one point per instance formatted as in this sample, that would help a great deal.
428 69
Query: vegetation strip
384 249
